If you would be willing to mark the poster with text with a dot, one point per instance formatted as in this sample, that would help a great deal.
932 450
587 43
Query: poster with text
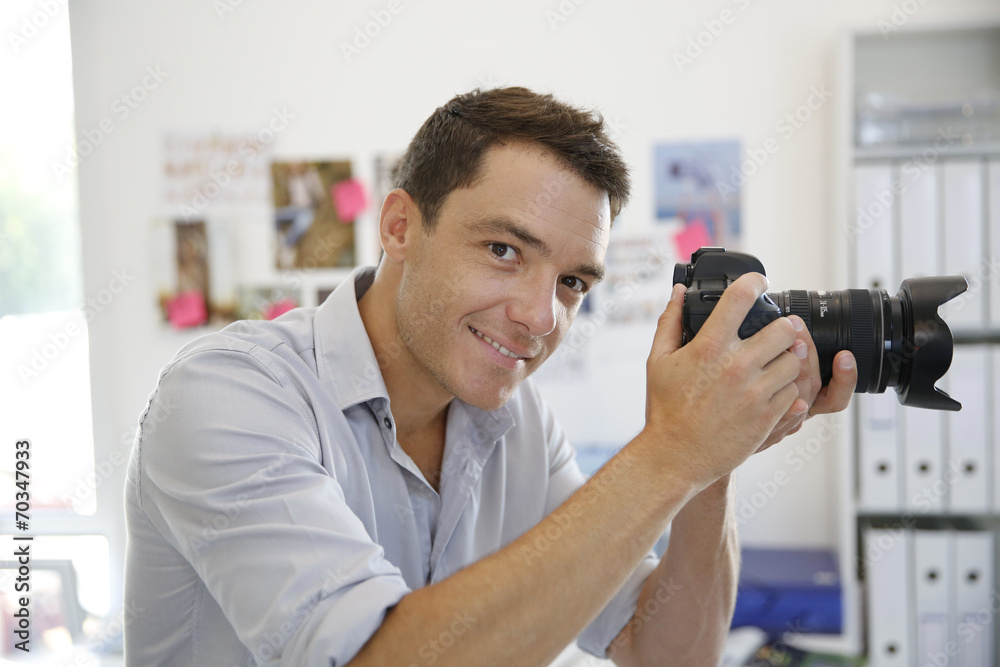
212 173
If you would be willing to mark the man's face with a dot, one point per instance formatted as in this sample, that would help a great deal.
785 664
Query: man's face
507 266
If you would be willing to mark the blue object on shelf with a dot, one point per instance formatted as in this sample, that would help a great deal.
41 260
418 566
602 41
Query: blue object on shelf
789 590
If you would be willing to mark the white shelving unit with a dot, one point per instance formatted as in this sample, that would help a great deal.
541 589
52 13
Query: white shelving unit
918 151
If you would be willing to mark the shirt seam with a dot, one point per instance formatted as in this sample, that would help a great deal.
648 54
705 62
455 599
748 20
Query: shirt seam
195 625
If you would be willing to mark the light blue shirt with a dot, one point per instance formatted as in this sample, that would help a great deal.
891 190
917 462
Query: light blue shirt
273 518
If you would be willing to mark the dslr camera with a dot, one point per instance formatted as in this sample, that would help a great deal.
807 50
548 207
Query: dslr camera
898 341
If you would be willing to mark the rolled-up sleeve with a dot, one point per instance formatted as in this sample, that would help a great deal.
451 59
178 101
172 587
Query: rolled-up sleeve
231 475
564 479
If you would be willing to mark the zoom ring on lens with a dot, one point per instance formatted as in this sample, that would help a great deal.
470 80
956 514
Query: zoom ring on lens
862 336
798 304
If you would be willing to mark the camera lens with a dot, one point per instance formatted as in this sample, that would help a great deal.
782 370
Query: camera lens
897 341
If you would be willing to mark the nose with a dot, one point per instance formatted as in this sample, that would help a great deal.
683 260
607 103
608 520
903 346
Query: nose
535 305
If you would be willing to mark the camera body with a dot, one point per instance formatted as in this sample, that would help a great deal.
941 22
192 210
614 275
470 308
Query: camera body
897 341
708 275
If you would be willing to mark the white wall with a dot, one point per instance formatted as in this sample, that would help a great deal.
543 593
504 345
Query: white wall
228 72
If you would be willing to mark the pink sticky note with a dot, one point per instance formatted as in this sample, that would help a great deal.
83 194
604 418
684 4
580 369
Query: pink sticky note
349 199
694 235
187 309
279 307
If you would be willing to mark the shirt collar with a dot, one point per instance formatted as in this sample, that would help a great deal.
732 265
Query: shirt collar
347 365
345 360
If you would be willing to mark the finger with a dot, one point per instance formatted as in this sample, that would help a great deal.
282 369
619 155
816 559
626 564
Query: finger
782 371
809 380
793 419
836 396
784 399
669 327
771 341
732 308
791 423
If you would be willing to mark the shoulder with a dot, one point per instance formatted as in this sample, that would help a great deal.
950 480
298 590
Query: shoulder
247 368
279 348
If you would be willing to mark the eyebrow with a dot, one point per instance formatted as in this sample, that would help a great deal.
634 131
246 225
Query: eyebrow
503 225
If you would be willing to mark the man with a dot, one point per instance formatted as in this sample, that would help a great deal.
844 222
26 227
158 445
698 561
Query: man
374 483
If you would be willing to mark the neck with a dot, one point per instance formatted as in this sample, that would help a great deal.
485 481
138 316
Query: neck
419 403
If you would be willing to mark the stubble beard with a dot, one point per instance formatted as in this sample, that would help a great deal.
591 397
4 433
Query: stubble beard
416 323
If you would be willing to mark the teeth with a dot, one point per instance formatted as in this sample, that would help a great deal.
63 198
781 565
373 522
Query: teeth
497 346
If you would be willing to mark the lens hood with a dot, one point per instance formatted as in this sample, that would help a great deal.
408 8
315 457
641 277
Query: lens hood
932 344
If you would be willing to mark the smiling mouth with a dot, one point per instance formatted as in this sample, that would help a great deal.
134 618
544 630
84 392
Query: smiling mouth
496 346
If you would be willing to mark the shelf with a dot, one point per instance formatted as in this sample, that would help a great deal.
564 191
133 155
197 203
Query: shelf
905 152
921 122
904 521
984 337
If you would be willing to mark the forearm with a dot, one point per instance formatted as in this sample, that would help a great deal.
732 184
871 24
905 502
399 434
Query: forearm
525 603
686 606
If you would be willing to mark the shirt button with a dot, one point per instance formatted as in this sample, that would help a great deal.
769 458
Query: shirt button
387 422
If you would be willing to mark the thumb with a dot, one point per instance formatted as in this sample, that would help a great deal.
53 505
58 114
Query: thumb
669 329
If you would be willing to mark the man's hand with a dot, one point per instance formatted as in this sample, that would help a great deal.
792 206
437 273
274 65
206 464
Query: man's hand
817 399
712 403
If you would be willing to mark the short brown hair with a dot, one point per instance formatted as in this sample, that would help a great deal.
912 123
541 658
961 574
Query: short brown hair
447 151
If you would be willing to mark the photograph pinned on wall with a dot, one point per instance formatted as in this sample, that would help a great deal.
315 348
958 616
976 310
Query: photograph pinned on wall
265 302
193 268
315 204
696 190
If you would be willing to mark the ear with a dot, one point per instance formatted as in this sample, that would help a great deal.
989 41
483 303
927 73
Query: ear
398 222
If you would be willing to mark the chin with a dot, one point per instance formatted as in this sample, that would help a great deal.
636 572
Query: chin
489 400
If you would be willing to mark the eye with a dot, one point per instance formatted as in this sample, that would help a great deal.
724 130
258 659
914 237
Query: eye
574 284
503 251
